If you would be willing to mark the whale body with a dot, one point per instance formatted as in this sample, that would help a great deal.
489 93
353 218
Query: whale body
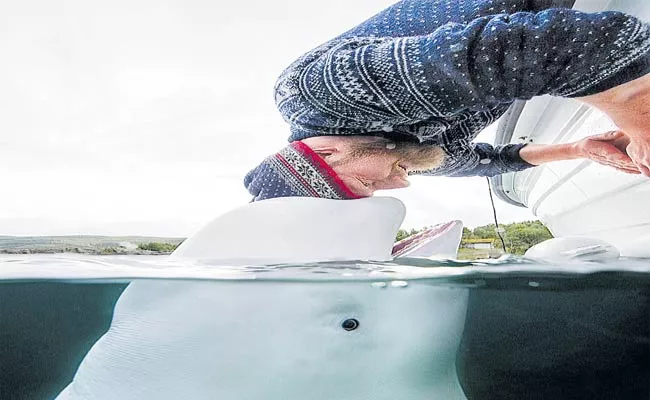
290 340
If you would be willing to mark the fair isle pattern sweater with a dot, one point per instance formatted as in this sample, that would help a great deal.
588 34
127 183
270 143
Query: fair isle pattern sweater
440 71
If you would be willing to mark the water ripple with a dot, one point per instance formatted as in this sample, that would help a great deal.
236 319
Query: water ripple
507 270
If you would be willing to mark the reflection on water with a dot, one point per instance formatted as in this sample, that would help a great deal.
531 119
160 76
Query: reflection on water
509 328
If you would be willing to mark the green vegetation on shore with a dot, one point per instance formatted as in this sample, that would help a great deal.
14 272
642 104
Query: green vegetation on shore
158 246
518 237
96 245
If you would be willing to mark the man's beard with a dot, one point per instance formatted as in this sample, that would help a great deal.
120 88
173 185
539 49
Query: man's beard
419 157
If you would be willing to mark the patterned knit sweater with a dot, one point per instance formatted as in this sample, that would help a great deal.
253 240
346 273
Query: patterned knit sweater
440 71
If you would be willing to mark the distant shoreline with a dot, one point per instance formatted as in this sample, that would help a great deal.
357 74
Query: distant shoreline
89 245
86 252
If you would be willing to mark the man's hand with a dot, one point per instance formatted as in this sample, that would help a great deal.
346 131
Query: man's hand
609 149
628 105
639 151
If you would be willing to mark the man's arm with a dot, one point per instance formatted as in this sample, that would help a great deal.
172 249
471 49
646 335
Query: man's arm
606 149
628 105
366 84
482 159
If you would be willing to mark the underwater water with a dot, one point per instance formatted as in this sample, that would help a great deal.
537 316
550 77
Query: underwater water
412 328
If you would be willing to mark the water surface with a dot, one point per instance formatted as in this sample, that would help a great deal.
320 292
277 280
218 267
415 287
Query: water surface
527 329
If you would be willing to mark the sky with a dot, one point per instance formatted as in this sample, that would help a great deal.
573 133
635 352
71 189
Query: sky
141 117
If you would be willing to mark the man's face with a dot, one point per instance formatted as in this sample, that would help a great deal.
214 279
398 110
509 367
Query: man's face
366 163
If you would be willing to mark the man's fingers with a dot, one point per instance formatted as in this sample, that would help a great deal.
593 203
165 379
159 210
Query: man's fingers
615 149
619 163
639 152
626 170
611 135
644 170
615 158
624 162
607 153
623 169
634 171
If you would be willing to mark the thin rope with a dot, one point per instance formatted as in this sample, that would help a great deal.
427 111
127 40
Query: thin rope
496 221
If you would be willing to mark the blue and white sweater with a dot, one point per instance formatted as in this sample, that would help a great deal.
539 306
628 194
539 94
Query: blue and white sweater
440 71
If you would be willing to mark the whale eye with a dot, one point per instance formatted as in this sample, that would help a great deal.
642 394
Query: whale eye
350 324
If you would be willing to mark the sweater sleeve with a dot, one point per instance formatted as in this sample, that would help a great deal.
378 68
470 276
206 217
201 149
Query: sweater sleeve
479 159
366 84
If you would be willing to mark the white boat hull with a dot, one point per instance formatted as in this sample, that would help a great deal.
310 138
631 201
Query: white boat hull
581 198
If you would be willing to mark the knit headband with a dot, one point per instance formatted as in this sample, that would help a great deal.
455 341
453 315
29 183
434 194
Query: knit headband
296 170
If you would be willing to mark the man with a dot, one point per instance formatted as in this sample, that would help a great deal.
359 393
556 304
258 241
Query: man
408 90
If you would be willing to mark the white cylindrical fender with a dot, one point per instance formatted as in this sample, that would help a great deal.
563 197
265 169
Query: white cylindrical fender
577 248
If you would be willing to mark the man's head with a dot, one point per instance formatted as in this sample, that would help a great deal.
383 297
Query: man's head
369 163
340 167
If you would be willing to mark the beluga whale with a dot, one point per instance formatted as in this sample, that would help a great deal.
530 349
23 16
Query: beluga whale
254 337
